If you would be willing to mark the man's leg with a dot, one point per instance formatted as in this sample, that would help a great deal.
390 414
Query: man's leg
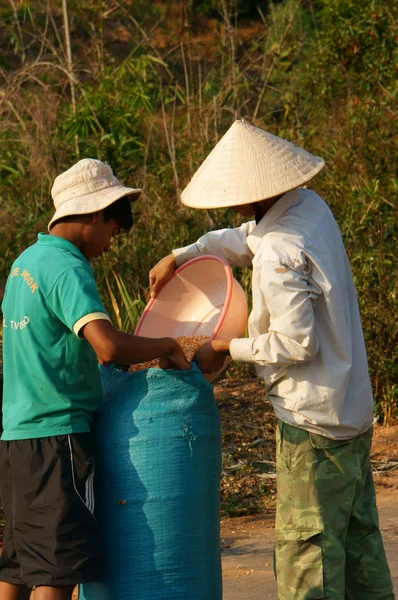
316 486
10 569
367 572
54 530
321 486
61 592
13 592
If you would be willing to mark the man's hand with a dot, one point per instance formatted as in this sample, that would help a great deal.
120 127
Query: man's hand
175 360
212 355
102 362
160 273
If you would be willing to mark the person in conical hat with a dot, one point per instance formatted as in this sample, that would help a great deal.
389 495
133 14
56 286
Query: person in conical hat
306 342
55 330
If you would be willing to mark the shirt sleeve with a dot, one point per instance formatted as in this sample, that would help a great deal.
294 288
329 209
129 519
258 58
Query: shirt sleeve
227 243
75 299
289 297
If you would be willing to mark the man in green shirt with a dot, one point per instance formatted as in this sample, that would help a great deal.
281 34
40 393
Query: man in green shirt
55 330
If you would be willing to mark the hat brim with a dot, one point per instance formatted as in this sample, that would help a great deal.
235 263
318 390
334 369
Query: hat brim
248 165
247 199
93 202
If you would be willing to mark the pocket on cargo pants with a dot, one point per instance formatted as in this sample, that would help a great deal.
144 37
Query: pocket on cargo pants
298 564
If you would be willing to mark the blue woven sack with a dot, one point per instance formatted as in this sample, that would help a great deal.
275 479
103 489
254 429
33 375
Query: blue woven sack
158 470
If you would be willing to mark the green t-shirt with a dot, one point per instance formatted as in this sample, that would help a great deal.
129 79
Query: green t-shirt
51 377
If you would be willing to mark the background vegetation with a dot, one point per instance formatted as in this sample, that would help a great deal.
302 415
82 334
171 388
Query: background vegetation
150 87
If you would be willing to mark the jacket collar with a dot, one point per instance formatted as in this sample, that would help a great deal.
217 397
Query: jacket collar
276 211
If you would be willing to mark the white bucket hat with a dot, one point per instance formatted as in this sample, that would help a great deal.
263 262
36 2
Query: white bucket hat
87 187
248 165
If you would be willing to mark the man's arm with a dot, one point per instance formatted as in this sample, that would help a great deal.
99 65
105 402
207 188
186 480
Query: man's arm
230 244
289 297
227 243
113 346
291 336
75 301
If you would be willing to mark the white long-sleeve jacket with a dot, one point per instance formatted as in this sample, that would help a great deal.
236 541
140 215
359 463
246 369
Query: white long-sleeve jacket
306 337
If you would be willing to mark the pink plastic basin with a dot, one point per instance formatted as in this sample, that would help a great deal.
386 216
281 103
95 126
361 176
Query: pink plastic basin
201 298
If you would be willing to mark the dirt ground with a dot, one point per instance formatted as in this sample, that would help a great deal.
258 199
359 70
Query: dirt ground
247 555
248 486
247 542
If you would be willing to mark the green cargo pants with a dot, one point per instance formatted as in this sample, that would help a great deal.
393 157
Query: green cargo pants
328 543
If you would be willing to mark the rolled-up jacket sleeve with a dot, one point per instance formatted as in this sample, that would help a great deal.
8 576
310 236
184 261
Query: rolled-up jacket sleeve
289 297
230 244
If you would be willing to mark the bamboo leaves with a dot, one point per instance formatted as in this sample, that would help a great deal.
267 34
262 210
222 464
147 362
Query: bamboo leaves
128 310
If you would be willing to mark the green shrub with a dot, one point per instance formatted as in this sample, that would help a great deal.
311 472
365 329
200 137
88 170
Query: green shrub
153 104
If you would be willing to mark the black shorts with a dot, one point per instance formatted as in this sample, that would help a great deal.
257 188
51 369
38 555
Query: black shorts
47 493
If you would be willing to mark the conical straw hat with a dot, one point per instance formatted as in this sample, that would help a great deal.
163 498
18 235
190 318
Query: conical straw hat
248 165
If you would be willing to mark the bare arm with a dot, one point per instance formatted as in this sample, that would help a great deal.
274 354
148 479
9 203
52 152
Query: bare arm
113 346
